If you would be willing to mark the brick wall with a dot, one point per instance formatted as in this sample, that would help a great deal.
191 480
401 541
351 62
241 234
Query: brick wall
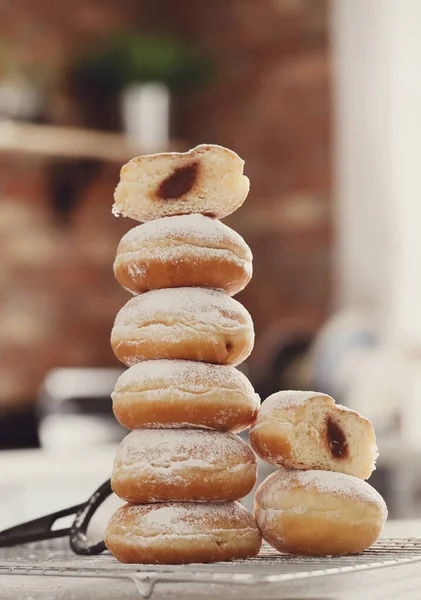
270 103
272 106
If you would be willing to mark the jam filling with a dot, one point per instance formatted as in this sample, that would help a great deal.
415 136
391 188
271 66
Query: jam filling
178 183
336 439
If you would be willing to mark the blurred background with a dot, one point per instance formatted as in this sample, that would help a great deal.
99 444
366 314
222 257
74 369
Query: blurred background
322 100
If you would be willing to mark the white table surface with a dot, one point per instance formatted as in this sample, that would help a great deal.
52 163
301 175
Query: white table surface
402 529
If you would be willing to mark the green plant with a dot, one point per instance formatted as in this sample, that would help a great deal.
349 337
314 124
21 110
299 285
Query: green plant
128 57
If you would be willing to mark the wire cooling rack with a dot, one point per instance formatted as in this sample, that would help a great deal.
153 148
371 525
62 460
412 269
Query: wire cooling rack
55 559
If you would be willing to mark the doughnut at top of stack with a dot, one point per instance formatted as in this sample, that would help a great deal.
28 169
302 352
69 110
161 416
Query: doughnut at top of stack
207 179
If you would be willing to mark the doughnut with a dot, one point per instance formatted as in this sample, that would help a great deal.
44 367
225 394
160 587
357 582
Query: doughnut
181 393
186 251
183 323
182 533
162 465
207 179
318 512
307 430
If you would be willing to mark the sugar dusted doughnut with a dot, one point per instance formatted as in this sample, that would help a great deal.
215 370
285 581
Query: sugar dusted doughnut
318 512
162 465
181 393
307 430
182 533
190 250
183 323
207 179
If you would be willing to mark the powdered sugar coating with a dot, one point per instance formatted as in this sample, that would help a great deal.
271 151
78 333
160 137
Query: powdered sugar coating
194 229
202 306
183 518
291 399
184 394
173 449
194 324
320 482
167 318
195 377
161 465
183 251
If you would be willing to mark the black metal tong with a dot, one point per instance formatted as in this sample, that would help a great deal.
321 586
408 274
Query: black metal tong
41 529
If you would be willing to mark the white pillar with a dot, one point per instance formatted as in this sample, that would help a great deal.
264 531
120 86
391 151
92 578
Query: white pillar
377 83
406 151
360 34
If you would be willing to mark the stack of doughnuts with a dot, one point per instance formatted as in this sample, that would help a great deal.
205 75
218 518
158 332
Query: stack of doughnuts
182 468
318 502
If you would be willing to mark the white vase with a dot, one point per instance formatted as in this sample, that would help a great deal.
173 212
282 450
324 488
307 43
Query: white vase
146 114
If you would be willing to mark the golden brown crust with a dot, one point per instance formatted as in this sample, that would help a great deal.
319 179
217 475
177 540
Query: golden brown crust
219 349
145 273
176 394
230 546
272 447
194 485
182 533
224 413
316 535
183 465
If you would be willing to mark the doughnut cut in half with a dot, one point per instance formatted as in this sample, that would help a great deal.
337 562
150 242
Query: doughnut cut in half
307 430
207 179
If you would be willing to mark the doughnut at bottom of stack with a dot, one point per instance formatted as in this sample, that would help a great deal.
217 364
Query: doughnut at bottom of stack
181 533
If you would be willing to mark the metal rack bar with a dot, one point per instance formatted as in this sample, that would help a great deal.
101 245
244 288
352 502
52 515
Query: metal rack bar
268 568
